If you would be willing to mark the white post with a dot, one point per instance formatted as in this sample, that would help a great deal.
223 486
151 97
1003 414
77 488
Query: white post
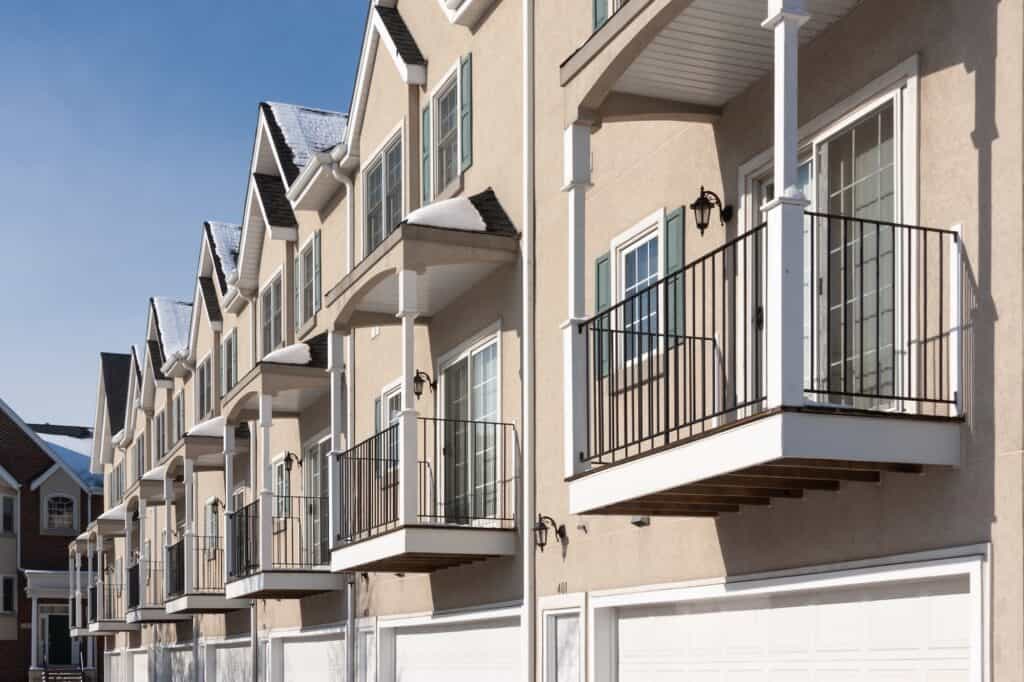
190 499
100 582
126 564
266 506
785 239
229 499
336 369
576 183
168 524
408 455
956 322
35 632
88 579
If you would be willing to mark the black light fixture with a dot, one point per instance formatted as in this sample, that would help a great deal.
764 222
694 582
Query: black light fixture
419 379
289 458
702 209
540 531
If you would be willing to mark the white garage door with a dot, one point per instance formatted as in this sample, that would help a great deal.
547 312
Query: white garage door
112 668
469 653
915 632
140 667
314 660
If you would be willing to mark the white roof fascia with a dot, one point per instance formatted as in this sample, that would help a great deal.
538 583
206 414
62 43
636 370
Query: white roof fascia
411 74
42 478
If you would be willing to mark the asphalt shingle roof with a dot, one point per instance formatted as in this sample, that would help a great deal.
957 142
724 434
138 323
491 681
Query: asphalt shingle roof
275 203
406 45
116 369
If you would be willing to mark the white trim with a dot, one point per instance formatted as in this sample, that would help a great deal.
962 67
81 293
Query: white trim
39 480
454 72
476 614
44 515
412 74
655 222
400 135
548 608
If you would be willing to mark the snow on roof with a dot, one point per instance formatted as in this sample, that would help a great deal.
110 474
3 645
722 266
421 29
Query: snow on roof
307 131
227 239
76 462
213 427
155 474
456 214
295 354
113 514
174 319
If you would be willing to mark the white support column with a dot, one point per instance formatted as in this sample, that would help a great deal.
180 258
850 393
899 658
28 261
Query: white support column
336 370
785 238
35 632
229 499
144 557
88 579
576 183
100 578
266 506
408 309
168 525
126 564
190 500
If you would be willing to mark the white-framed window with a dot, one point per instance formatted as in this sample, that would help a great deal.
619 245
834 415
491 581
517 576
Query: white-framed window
178 417
386 411
307 275
238 498
636 263
139 455
229 361
563 648
447 129
470 390
9 521
204 389
384 198
8 600
270 315
316 456
60 513
159 435
282 489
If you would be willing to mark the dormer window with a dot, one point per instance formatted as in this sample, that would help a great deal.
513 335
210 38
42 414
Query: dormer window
270 315
60 513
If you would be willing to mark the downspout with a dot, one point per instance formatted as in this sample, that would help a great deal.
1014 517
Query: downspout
254 641
350 628
528 617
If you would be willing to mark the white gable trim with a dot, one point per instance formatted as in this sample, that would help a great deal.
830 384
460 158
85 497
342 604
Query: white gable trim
411 74
42 445
42 478
9 479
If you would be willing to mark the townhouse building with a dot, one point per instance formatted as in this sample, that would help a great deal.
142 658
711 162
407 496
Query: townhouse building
47 496
598 340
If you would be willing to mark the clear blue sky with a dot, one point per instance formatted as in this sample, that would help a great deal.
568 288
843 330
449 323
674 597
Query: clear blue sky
124 126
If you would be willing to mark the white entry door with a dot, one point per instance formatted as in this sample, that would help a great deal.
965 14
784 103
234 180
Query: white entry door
912 632
465 653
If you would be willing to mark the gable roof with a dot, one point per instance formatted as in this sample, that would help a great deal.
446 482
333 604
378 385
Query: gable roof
206 286
276 207
75 464
116 370
225 240
300 132
398 33
173 322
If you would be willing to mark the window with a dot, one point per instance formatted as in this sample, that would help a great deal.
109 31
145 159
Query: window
470 401
270 315
139 452
315 460
7 598
307 274
239 498
562 648
604 9
384 194
204 389
229 362
159 436
386 411
639 265
8 513
282 490
60 513
177 417
448 135
212 529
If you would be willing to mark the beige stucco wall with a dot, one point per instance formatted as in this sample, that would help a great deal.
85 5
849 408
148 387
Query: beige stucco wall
970 174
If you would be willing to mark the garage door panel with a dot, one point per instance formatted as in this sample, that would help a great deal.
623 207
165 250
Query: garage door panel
902 632
314 660
458 654
140 667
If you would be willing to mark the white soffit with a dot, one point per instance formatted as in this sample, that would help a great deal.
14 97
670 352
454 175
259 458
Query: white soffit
715 49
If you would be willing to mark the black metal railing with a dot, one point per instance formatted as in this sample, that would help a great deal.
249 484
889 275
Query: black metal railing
208 572
680 356
877 314
244 527
686 355
176 569
133 586
467 474
111 600
299 532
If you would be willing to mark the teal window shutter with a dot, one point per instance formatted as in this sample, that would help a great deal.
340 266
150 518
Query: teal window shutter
602 301
600 13
675 279
316 271
466 110
425 136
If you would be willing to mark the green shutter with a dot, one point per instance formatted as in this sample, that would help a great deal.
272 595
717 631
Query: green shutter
600 13
675 284
602 301
466 110
425 135
316 271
